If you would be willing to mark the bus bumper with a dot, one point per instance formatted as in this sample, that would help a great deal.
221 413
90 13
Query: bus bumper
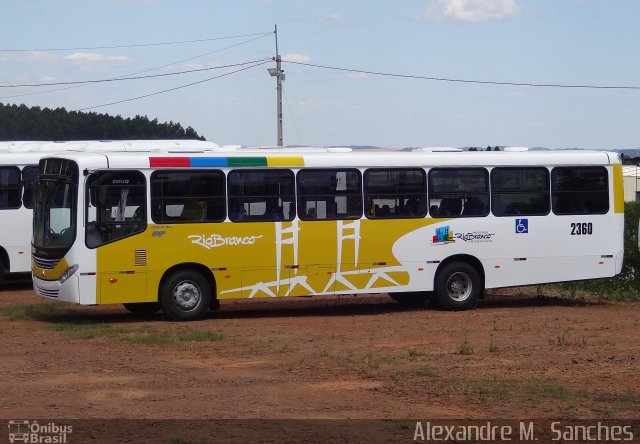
68 292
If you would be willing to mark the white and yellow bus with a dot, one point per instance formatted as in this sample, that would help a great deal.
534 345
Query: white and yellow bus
18 177
181 232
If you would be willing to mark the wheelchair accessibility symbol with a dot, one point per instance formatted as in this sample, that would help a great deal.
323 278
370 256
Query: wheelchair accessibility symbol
522 226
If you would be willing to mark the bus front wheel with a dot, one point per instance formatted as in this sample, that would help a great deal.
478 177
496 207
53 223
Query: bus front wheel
457 286
185 296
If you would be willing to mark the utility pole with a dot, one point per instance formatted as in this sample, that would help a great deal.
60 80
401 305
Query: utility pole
278 73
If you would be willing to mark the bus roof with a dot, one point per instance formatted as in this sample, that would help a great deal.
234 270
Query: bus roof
293 158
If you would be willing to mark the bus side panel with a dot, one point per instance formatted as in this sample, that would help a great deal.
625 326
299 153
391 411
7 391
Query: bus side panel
15 238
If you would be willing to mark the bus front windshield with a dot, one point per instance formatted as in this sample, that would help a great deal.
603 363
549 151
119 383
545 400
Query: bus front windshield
54 214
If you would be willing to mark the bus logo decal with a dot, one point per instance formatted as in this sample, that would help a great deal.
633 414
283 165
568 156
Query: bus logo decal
522 226
476 236
443 235
215 240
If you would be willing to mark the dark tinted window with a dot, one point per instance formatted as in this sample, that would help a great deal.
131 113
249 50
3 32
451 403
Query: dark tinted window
329 194
458 192
29 181
188 196
261 195
116 206
580 190
520 191
395 193
9 188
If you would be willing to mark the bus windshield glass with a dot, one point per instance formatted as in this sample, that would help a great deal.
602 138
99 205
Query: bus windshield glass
55 208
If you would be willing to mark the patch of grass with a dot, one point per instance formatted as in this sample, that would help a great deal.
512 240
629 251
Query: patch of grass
200 336
397 376
484 389
465 348
426 371
413 353
534 389
492 345
21 312
565 340
87 330
145 334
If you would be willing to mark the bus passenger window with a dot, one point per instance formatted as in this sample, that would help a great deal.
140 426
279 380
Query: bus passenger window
9 188
458 192
580 190
329 194
188 196
520 191
261 195
29 181
395 193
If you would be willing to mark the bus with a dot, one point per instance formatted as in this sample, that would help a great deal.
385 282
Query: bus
18 177
180 233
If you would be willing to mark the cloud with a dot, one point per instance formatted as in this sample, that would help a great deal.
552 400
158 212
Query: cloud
300 58
87 57
27 56
331 19
470 10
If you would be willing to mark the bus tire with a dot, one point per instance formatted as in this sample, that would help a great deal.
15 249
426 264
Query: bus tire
410 298
2 272
185 296
143 308
457 286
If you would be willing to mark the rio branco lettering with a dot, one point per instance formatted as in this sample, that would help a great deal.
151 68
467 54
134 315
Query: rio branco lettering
216 240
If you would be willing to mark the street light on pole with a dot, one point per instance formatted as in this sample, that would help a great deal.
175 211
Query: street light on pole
278 73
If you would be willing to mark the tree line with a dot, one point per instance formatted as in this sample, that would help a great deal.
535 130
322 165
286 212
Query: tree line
20 122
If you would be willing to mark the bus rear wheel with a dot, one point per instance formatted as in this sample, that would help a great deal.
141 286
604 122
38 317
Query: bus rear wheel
457 286
143 308
185 296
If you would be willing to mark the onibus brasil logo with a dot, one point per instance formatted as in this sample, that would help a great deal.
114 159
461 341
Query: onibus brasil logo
33 432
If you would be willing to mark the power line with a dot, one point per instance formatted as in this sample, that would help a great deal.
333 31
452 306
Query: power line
138 45
482 82
176 88
118 79
146 70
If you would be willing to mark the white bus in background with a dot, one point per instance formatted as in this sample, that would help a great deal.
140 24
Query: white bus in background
180 232
18 177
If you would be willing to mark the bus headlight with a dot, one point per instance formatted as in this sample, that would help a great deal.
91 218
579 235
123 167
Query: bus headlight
68 273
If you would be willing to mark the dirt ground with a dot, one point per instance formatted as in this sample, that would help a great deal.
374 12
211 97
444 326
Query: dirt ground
520 353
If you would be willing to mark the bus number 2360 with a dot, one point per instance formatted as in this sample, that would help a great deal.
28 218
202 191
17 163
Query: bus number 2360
581 228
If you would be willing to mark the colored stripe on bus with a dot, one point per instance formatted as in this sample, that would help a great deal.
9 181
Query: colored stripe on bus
618 189
202 162
247 161
163 162
285 161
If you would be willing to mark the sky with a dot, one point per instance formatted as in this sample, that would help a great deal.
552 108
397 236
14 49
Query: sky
560 42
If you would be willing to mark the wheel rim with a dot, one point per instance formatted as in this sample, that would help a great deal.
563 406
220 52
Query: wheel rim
187 295
459 286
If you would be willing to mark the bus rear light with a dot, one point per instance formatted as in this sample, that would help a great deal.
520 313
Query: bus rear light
68 273
113 280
